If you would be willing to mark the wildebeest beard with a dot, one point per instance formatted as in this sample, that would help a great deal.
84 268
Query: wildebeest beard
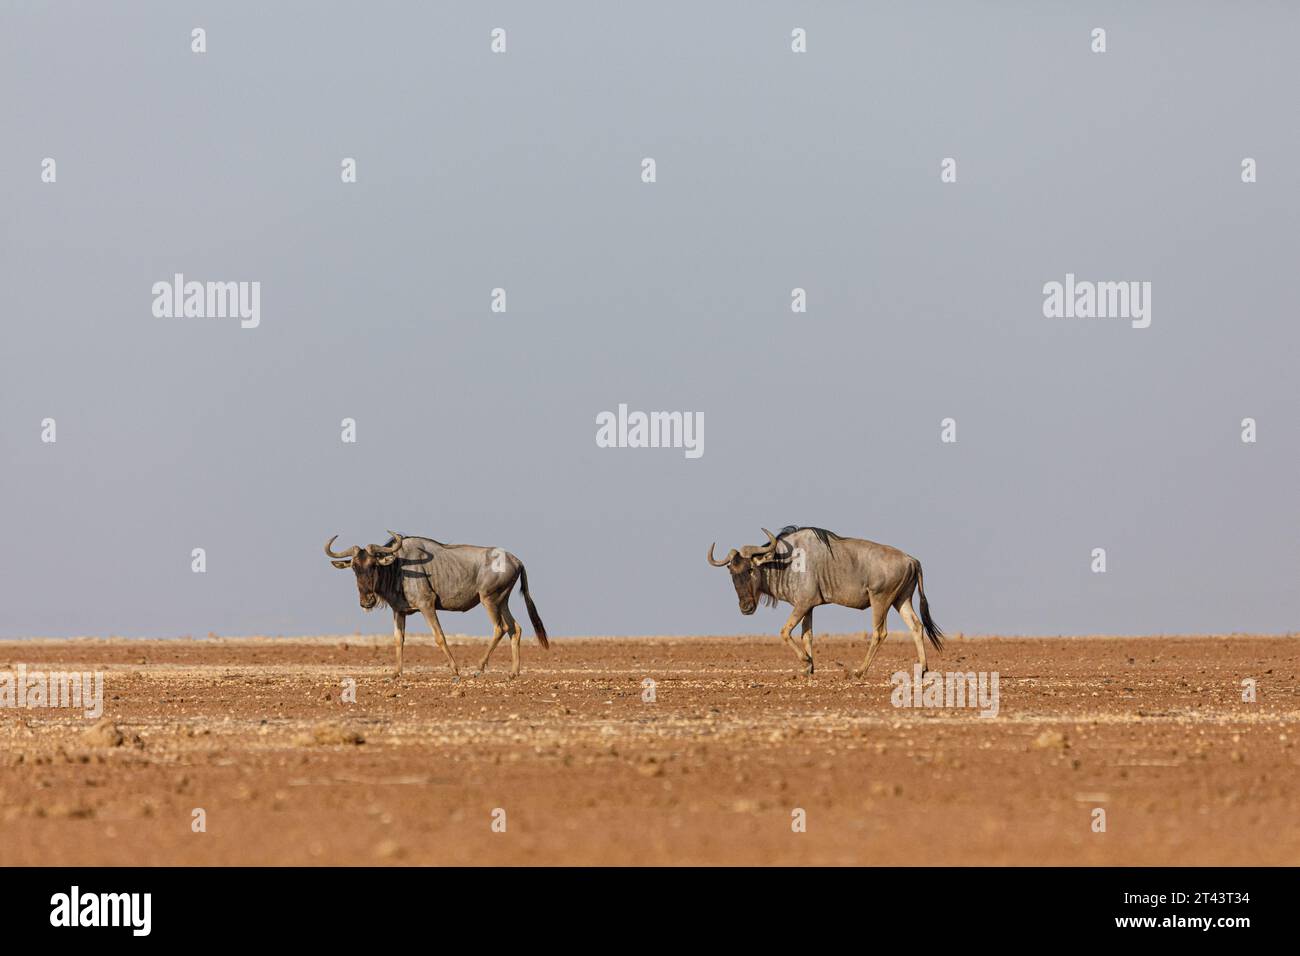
765 597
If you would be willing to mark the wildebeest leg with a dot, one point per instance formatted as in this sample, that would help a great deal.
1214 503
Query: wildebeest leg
399 638
497 631
879 611
807 633
796 616
914 624
431 616
516 632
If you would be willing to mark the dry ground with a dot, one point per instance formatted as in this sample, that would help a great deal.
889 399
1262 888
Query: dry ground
254 732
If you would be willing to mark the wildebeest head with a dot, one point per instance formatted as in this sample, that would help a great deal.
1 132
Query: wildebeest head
744 566
365 563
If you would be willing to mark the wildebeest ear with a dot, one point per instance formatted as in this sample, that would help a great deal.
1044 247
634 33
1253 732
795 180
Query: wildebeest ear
385 560
341 564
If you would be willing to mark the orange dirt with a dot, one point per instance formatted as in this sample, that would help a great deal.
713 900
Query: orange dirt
1152 730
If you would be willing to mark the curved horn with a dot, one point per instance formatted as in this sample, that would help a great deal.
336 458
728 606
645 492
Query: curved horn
771 543
391 549
349 553
723 563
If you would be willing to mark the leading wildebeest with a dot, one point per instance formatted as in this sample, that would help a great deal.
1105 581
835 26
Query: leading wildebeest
412 575
807 567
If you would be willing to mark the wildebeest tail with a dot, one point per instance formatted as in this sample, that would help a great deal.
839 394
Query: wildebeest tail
538 627
927 622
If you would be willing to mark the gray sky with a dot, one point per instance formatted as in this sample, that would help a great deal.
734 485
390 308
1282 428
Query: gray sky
775 170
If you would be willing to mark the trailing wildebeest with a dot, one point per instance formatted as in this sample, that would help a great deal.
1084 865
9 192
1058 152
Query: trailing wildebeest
807 567
412 575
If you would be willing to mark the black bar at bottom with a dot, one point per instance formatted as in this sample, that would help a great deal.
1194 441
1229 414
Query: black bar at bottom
299 905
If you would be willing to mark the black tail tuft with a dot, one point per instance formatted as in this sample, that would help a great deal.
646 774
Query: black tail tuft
927 622
538 627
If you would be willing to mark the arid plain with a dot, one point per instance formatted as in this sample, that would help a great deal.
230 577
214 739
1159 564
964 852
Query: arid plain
576 766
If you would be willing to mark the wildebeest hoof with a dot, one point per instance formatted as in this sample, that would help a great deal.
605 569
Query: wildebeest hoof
855 673
455 678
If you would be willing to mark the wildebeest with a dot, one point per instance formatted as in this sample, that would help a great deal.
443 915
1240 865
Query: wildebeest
807 567
412 574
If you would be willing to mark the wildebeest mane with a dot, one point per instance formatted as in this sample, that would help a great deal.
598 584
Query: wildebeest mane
823 535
